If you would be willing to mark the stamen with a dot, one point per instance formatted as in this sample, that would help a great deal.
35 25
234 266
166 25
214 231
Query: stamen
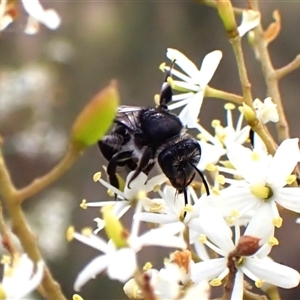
87 231
273 241
110 193
156 188
215 191
147 266
291 178
255 156
97 176
259 283
203 238
156 99
215 282
83 204
229 106
162 66
215 123
70 233
156 208
221 179
211 168
5 260
77 297
188 208
277 222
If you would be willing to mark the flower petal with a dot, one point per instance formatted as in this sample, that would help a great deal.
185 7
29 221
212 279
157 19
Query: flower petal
182 62
250 19
47 17
272 272
189 115
96 266
209 67
216 229
289 198
122 264
261 225
283 162
238 288
207 270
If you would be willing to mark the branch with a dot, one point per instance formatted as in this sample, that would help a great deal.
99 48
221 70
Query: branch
271 77
214 93
41 183
295 64
239 56
21 229
213 3
6 236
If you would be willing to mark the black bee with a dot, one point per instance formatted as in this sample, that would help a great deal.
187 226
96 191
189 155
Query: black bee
142 136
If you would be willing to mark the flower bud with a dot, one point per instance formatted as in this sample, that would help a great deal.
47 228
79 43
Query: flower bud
248 113
226 14
247 245
95 119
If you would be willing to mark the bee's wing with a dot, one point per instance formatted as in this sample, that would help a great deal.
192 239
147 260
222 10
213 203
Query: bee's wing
128 116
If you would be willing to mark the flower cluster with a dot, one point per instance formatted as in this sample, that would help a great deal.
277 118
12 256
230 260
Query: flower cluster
220 236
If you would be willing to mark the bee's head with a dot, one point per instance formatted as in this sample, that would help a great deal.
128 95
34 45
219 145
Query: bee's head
178 162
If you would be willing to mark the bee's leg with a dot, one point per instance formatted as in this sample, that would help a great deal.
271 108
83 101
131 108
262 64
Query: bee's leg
148 169
116 159
143 165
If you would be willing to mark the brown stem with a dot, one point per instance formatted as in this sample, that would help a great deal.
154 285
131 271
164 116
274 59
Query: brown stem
239 56
213 3
6 236
251 296
21 229
214 93
41 183
293 65
271 77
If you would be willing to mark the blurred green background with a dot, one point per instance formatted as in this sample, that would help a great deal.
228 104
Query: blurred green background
46 79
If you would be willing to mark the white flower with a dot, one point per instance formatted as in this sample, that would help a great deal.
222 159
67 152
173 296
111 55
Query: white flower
139 185
20 278
120 262
37 14
172 210
266 111
254 264
6 17
194 83
265 178
214 146
250 19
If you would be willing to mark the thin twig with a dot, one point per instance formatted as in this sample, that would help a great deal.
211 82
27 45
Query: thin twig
214 93
293 65
239 56
271 77
41 183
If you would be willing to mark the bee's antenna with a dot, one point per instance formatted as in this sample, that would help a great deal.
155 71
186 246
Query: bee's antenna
203 179
169 72
166 92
